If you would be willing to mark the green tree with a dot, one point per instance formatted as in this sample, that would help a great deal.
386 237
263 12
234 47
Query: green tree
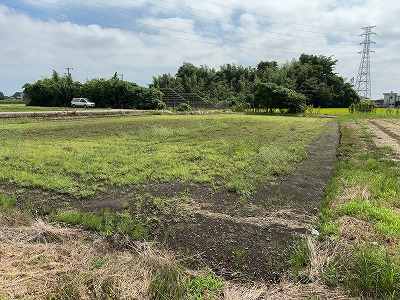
1 96
271 96
310 75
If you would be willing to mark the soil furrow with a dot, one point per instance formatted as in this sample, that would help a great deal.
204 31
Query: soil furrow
384 137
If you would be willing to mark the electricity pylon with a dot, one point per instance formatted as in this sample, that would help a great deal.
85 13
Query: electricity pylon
363 82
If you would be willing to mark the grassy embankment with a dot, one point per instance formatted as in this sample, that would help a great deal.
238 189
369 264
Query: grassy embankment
360 223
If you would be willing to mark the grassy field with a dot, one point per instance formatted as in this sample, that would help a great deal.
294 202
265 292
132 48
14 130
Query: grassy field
80 157
380 112
357 248
18 106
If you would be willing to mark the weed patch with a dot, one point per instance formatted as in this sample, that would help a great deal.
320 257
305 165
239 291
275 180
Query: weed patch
387 221
105 222
375 274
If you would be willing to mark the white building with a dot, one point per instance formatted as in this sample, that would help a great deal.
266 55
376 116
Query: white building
391 100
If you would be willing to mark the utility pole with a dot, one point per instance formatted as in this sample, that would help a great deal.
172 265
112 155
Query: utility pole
68 72
116 75
363 82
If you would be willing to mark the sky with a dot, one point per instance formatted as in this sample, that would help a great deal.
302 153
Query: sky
140 39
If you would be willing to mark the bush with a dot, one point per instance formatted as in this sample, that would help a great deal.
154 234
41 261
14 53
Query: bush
362 107
161 105
184 107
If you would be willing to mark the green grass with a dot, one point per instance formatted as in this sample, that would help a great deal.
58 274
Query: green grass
20 106
372 268
104 221
329 111
170 282
375 274
386 220
80 157
380 112
14 106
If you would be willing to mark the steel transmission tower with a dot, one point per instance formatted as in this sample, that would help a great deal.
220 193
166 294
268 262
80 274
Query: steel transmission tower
363 82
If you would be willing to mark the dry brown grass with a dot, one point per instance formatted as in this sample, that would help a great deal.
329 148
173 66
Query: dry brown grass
38 260
352 193
323 255
285 290
357 231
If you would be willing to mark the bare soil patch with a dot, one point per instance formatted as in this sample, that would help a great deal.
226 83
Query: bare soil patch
387 133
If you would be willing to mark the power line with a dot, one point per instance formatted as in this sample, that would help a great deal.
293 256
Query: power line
263 48
235 9
274 19
303 39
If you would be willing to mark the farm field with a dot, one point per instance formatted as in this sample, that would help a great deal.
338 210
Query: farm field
230 195
82 157
380 112
215 186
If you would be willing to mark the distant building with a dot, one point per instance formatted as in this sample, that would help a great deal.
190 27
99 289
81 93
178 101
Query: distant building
390 100
379 102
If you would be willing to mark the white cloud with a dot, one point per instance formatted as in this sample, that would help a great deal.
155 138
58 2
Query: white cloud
246 32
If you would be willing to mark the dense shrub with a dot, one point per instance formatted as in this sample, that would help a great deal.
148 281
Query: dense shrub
271 96
362 107
184 107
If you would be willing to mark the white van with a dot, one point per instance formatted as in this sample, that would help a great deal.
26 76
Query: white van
81 102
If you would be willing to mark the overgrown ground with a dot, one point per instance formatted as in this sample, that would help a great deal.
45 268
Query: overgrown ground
360 222
237 211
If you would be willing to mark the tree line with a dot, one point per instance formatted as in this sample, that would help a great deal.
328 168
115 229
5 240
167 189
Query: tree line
114 93
290 87
310 80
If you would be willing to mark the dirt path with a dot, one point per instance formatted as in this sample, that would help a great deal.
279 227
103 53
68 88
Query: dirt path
72 113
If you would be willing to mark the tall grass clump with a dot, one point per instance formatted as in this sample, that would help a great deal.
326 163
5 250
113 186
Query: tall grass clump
363 106
375 274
